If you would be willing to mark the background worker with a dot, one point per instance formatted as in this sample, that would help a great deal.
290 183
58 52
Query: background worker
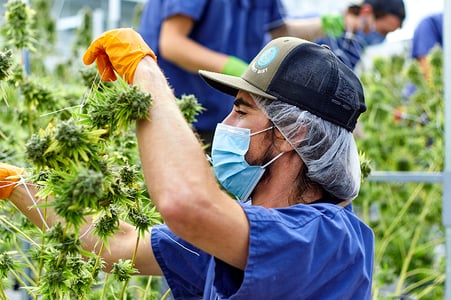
428 33
360 26
215 35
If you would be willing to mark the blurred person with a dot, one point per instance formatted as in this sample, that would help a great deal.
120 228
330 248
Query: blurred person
286 151
215 35
360 26
428 34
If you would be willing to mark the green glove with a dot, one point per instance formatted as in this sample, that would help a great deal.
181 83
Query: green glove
333 25
234 66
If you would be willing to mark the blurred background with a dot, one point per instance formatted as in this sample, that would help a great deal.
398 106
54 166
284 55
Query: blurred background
394 133
125 13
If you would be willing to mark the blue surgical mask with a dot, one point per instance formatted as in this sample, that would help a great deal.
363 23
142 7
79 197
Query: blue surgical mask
230 145
370 38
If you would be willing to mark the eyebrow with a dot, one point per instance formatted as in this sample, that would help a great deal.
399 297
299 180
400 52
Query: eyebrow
241 101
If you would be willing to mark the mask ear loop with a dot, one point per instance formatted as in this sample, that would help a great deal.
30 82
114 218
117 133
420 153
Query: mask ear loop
272 160
260 131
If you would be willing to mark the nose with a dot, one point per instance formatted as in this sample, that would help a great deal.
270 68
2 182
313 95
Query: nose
228 119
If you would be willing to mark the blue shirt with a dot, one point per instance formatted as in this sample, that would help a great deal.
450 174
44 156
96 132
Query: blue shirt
348 49
233 27
318 251
427 34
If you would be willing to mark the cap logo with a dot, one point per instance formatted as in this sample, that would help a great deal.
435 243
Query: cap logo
267 57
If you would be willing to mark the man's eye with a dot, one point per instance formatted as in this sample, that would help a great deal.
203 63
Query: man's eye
240 112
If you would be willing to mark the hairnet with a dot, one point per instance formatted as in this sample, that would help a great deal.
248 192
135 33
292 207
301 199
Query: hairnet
328 150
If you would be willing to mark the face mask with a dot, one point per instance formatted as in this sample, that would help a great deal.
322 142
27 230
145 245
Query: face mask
370 38
230 145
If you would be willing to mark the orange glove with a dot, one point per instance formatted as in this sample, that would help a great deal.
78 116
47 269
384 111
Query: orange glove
117 50
9 175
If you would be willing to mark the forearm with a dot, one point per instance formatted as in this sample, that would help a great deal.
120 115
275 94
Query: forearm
191 56
123 242
23 197
168 147
309 29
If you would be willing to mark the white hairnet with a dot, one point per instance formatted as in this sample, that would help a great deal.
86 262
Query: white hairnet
328 150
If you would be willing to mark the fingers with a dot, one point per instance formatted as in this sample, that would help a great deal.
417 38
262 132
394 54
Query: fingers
117 50
90 55
9 175
105 68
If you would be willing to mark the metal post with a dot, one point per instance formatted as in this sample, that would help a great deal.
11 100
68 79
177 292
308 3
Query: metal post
446 210
114 13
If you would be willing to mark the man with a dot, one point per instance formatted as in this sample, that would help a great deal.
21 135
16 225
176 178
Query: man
286 148
361 26
427 34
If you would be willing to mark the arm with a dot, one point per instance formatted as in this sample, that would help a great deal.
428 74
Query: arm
181 182
122 244
334 25
177 47
309 29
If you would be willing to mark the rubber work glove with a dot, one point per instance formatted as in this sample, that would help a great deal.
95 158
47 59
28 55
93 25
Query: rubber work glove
117 50
9 176
234 66
333 25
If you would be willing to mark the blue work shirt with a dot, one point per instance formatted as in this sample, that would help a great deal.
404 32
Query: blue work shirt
427 34
233 27
347 48
317 251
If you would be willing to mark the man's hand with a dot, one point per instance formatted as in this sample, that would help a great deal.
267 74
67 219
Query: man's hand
117 50
9 176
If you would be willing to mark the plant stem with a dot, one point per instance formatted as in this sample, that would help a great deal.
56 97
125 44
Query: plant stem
26 258
98 259
104 287
148 288
20 280
412 248
133 264
4 220
166 294
395 224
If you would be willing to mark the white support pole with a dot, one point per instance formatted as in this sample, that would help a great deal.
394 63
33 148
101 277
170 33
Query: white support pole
97 22
114 13
446 210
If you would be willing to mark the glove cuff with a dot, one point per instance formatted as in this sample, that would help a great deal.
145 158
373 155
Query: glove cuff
333 25
234 66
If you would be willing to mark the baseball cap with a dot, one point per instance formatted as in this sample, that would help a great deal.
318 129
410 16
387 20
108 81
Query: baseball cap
303 74
394 7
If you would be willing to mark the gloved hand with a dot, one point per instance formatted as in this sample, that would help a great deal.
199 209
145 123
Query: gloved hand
117 50
333 25
9 176
234 66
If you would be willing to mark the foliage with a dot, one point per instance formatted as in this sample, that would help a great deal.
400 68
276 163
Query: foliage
76 138
403 131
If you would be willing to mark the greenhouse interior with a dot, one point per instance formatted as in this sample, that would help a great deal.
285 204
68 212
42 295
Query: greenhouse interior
59 124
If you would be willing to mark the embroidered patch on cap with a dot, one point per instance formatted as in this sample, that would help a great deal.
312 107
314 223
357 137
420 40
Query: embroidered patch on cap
267 57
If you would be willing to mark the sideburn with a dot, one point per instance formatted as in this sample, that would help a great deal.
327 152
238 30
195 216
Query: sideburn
302 184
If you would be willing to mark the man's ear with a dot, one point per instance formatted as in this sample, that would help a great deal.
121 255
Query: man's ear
282 144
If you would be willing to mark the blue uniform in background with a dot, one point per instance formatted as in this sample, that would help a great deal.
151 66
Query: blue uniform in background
233 27
315 251
427 34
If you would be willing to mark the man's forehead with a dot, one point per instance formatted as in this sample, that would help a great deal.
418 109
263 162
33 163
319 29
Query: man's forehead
245 99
